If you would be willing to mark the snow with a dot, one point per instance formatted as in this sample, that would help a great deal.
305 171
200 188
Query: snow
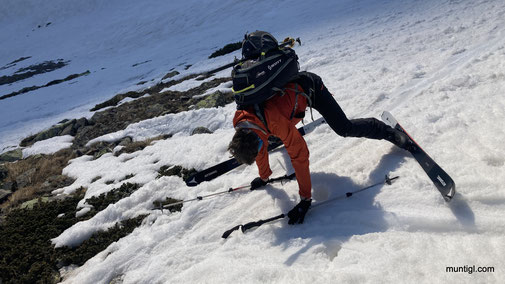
49 146
179 123
437 66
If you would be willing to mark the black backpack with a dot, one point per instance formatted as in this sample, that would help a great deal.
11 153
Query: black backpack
267 69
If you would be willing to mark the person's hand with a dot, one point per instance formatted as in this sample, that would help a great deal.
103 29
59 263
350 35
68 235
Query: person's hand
297 214
257 183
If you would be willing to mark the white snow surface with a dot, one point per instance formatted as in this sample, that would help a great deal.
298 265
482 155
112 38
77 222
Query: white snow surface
48 146
438 66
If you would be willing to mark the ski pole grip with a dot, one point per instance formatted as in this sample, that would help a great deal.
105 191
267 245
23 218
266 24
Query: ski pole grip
251 225
389 180
228 233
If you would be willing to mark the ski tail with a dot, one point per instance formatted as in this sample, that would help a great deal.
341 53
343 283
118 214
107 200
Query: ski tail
442 181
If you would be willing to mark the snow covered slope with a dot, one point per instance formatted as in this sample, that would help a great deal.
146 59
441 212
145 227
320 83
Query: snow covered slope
438 66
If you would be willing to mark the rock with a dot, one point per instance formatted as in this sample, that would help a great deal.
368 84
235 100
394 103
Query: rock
4 172
4 194
170 74
125 141
101 152
49 133
200 130
25 178
154 110
98 149
215 100
27 141
80 151
81 123
8 185
56 130
82 136
69 130
12 156
102 116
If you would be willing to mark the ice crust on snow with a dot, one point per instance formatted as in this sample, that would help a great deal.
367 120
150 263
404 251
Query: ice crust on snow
438 66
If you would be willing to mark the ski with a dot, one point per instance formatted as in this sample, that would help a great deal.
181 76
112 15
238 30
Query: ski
442 181
228 165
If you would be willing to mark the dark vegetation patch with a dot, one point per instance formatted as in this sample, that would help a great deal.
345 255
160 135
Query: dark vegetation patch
32 70
105 199
140 63
170 74
25 241
127 177
96 179
97 243
229 48
175 171
20 59
40 26
27 253
13 63
54 82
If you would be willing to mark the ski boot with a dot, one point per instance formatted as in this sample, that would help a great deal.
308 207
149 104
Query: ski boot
400 139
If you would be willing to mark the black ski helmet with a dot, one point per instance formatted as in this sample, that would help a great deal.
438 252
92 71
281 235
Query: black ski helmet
257 42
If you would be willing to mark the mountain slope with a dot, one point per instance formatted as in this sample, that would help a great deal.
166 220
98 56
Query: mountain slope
437 66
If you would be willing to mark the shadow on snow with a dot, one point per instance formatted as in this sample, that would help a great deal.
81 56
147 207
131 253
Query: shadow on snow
336 222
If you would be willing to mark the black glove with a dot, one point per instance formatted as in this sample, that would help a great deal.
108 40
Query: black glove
297 214
257 183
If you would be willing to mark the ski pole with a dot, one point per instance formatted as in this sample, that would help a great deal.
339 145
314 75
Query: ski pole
271 180
258 223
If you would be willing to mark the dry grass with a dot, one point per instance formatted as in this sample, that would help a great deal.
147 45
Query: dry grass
45 166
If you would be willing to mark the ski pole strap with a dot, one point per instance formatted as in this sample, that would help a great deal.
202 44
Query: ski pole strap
251 225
